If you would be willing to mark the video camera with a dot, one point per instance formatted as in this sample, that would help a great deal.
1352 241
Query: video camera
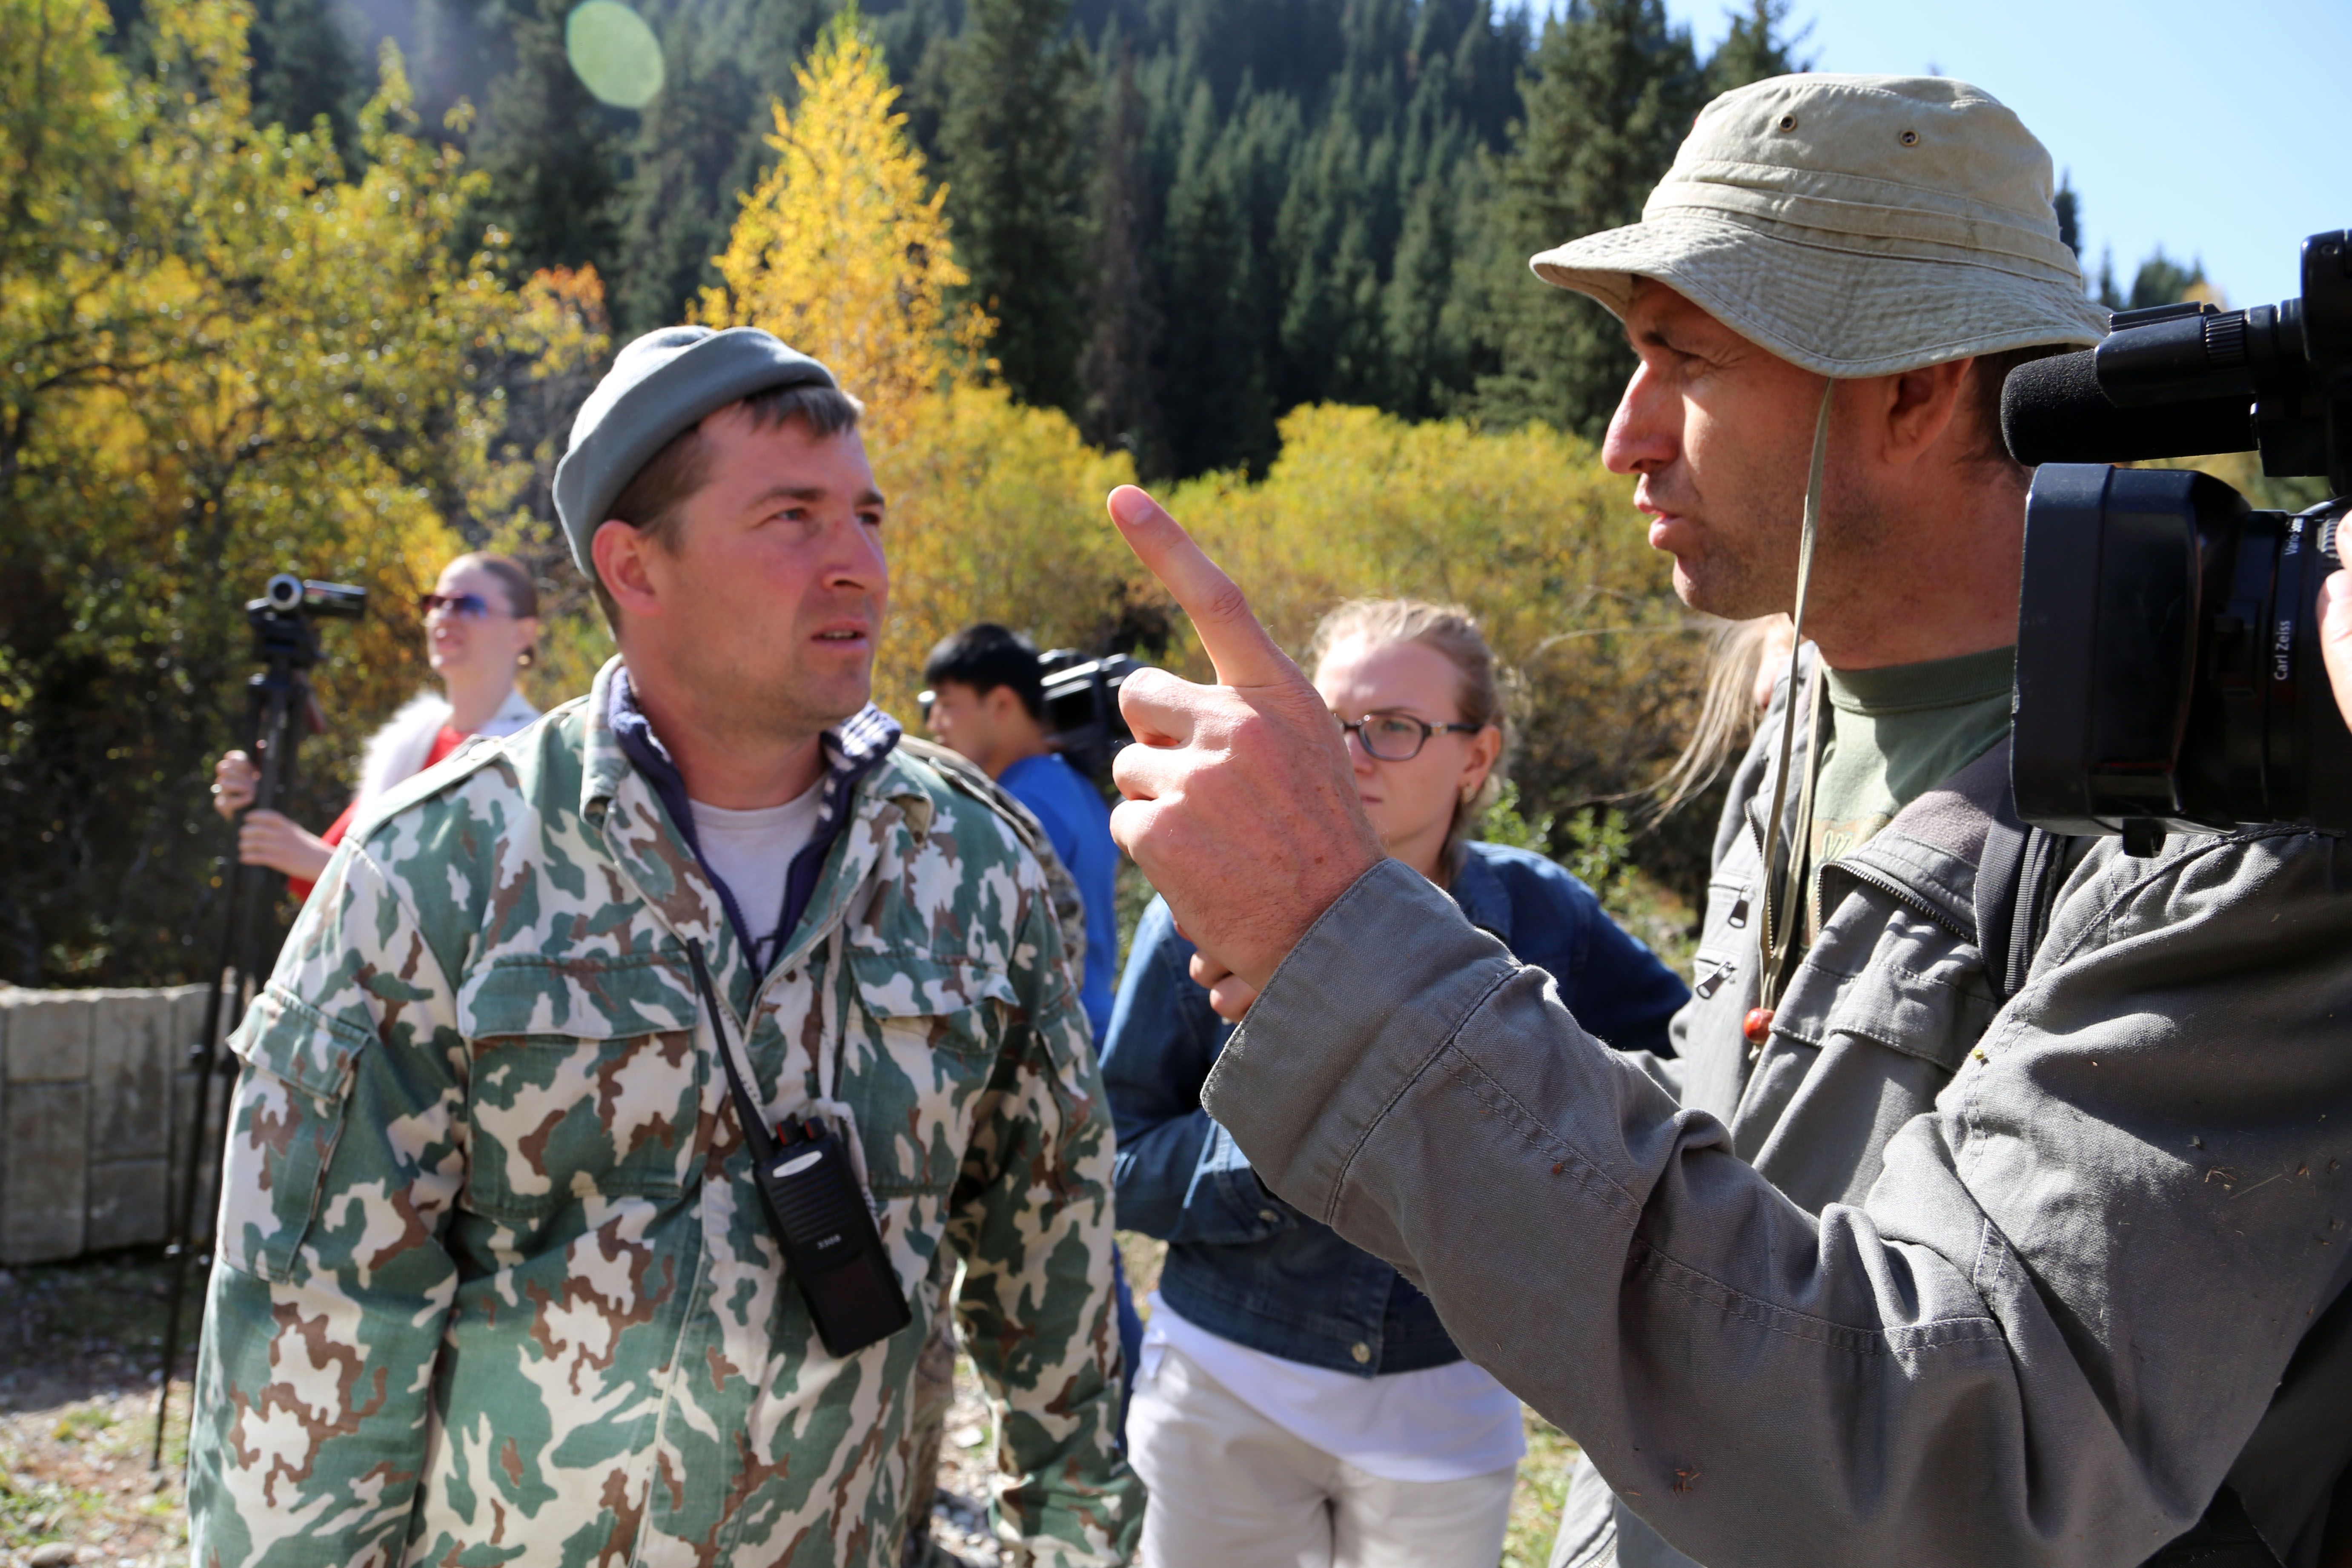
1082 707
281 618
2169 673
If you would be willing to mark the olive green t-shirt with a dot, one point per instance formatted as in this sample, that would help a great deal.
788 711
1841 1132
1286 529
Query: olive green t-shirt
1897 733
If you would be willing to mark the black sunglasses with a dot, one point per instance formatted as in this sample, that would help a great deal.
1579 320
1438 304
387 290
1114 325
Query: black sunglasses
473 606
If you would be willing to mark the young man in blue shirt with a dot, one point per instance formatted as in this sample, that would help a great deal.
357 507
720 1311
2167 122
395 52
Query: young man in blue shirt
988 701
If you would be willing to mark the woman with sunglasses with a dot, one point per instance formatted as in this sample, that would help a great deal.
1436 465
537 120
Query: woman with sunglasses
481 621
1297 1401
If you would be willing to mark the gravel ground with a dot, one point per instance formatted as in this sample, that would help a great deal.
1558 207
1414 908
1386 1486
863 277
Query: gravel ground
959 1534
78 1354
79 1344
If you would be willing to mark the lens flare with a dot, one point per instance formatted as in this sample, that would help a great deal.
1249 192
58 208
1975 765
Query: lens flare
614 52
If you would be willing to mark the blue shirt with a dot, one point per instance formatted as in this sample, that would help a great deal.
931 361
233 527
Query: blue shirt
1245 1264
1078 823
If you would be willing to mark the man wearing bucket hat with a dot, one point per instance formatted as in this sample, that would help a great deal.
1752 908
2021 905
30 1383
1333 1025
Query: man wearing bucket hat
496 1283
1996 1214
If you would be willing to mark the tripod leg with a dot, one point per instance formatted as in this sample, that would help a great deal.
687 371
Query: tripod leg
181 1244
266 724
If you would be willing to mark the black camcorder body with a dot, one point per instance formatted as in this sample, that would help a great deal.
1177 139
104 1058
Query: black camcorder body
2168 673
1082 707
1080 717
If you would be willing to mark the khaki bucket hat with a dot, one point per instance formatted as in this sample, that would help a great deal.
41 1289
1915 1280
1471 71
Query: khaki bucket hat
1854 226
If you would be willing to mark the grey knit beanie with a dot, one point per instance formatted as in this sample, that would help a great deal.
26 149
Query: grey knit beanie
660 386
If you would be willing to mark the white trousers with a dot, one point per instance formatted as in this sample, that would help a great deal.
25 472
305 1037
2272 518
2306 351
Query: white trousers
1228 1488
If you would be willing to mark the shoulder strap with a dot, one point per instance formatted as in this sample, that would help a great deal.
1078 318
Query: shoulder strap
1973 816
2017 881
969 778
2000 874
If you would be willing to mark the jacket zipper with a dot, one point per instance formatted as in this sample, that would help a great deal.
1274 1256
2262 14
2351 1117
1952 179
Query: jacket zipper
1878 879
1904 896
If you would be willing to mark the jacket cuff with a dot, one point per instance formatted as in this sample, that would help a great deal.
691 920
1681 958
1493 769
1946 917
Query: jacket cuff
1374 990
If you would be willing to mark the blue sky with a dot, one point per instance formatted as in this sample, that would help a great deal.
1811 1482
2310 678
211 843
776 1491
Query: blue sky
2222 132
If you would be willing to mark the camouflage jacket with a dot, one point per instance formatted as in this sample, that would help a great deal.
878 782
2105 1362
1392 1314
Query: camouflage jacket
495 1284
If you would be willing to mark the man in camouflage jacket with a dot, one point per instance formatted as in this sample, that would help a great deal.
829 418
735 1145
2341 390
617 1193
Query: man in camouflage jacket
495 1285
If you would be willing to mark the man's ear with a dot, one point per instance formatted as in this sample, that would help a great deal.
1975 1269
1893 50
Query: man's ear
618 552
1000 703
1921 406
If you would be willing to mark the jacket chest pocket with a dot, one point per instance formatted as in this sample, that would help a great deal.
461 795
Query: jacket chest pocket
924 1037
1883 974
585 1084
1878 1015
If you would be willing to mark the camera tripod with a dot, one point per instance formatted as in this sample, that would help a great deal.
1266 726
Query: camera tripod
278 710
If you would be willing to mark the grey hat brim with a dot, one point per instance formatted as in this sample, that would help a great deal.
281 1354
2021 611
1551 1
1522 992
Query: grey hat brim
623 425
1830 311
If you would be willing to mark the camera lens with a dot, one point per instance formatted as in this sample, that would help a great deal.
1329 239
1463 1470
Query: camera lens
2169 666
284 592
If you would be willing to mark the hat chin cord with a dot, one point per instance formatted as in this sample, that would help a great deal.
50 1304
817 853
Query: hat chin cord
1784 859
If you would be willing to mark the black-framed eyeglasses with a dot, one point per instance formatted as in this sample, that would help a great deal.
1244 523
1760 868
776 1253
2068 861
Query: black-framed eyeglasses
472 606
1399 737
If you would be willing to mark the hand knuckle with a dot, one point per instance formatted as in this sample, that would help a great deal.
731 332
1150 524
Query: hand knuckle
1137 690
1225 602
1151 688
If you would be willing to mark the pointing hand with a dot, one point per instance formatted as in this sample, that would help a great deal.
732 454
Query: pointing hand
1241 806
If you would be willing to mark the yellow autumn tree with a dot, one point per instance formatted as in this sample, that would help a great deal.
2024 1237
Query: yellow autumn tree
1524 527
996 514
225 350
840 252
534 372
996 510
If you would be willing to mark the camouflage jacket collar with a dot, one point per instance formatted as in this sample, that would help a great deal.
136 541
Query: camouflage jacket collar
623 749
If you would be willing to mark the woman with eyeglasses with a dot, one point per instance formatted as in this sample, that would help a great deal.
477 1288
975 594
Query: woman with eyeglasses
1297 1401
481 621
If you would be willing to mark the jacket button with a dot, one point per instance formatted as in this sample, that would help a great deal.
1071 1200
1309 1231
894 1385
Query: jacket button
1362 1352
1268 1215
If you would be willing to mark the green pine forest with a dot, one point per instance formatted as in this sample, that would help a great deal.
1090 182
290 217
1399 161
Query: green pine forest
1188 216
1214 233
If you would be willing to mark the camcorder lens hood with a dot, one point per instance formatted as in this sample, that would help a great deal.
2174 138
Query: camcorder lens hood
2168 675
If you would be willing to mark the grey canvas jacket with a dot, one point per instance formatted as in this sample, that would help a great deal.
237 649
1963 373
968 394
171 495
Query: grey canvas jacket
1930 1279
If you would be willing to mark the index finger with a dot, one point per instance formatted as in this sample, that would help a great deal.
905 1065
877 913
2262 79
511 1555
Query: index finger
1237 644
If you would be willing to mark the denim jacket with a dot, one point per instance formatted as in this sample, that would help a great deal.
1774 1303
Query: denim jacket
1243 1263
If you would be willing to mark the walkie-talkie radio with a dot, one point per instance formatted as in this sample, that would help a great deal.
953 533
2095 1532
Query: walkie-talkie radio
816 1210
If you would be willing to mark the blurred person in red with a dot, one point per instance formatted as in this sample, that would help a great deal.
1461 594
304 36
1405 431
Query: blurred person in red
480 623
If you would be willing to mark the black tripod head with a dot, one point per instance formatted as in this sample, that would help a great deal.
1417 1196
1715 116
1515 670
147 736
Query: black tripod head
284 619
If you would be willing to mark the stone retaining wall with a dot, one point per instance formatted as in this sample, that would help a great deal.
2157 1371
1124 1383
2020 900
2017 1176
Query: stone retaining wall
95 1098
